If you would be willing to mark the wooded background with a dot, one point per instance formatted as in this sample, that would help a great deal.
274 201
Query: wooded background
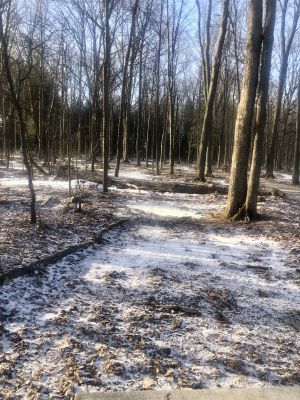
143 80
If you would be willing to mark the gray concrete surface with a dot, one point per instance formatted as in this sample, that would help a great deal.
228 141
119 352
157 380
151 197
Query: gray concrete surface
285 393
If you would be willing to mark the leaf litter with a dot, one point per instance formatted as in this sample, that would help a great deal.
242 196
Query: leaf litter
177 299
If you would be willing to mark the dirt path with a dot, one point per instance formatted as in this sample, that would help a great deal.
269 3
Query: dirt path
175 300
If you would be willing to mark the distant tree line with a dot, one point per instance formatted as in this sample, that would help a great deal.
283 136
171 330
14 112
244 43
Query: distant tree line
146 80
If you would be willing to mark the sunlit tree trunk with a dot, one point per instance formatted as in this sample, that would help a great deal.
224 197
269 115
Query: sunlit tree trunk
242 137
261 112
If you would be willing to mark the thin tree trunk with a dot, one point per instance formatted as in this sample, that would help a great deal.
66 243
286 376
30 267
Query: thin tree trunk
208 116
285 52
126 120
106 97
140 111
123 93
296 163
157 107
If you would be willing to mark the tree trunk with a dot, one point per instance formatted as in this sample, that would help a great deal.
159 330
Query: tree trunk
275 127
208 161
242 136
296 163
261 112
140 112
157 107
106 97
208 116
123 93
285 51
126 120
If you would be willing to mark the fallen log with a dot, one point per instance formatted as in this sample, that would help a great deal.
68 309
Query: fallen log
163 187
40 265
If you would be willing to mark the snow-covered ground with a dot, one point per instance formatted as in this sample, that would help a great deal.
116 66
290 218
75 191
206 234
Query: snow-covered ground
58 226
283 177
174 300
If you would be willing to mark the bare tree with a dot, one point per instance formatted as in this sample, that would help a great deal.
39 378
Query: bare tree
124 93
286 44
208 116
174 20
106 92
15 92
261 109
242 137
296 163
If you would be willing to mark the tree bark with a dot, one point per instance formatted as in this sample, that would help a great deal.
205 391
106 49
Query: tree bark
296 163
123 93
242 135
261 112
208 116
106 96
16 103
157 95
285 52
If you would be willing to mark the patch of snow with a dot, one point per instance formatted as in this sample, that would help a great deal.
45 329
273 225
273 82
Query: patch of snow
52 182
131 172
175 205
283 177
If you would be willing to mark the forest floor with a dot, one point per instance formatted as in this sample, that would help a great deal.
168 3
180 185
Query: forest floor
176 298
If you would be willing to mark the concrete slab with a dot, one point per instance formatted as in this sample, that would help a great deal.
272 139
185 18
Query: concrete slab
286 393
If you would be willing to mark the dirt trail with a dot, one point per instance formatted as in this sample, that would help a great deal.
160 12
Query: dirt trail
175 300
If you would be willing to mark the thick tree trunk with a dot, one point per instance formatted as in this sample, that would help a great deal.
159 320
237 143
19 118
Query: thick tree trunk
296 163
242 136
261 112
208 116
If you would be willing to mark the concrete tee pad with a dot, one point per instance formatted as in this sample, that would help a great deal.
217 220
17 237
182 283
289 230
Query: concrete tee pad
286 393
